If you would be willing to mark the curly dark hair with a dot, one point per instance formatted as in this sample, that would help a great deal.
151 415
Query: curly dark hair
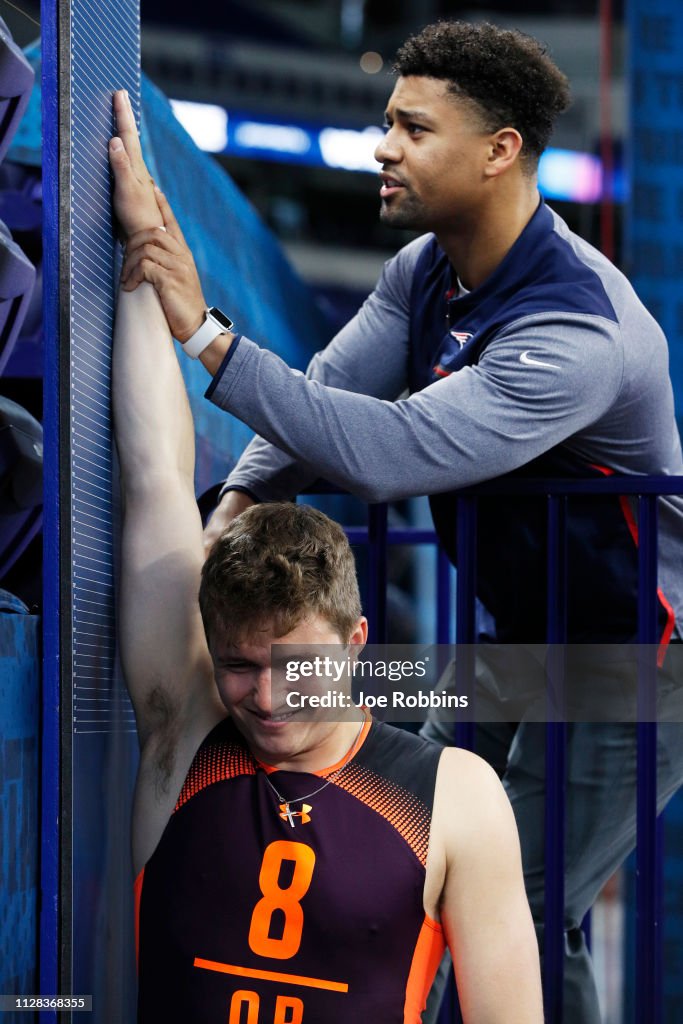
275 564
507 74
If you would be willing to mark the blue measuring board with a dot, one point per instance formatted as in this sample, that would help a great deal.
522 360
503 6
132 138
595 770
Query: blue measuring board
90 48
105 42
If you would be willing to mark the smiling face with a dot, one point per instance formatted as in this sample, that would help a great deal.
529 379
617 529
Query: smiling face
275 733
434 158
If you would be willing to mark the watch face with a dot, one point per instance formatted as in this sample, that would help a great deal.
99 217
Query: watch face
221 318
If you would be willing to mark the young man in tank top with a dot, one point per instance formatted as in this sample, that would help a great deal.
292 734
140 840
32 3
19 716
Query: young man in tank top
289 869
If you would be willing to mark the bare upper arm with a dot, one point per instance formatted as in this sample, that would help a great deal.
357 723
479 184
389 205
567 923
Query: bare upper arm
483 906
164 653
163 650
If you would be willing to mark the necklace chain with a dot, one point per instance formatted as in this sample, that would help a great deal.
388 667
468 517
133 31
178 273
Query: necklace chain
285 803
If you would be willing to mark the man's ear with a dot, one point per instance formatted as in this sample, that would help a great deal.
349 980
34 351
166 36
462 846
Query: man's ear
504 149
359 636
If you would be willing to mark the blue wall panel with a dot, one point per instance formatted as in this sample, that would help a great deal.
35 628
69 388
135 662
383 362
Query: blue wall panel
19 778
105 55
654 237
91 47
654 215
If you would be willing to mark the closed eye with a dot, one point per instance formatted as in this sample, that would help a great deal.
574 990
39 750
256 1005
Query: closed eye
236 666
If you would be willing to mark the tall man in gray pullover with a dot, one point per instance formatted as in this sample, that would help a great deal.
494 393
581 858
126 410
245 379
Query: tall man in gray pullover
523 350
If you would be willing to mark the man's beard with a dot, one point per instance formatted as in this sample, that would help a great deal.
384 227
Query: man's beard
406 215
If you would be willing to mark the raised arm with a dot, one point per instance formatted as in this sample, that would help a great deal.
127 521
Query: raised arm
163 649
484 909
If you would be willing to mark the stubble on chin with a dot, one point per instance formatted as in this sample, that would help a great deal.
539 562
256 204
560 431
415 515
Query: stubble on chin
399 217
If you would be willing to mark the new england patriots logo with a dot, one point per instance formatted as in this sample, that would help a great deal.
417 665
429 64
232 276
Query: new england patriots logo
462 337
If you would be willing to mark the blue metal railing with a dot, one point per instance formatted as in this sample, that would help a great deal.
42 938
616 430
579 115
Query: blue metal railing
648 981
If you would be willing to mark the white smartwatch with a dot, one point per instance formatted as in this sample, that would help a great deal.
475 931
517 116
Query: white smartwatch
215 323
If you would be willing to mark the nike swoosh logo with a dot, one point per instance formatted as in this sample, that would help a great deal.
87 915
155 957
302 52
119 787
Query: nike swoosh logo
528 361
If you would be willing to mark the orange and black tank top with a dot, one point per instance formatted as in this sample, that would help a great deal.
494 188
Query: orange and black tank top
246 919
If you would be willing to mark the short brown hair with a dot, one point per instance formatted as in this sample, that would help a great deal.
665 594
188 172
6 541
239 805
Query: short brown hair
275 564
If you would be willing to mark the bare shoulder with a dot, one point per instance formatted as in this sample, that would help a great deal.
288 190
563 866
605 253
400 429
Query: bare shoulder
475 888
467 780
471 810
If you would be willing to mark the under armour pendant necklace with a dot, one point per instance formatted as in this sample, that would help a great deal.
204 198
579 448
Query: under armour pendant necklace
304 815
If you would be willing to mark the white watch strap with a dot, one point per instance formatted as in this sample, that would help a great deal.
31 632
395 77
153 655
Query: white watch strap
202 338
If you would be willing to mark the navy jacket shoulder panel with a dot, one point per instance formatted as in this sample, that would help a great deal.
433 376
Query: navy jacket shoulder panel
543 273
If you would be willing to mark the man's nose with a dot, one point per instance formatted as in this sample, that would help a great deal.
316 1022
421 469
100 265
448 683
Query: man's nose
263 691
388 150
